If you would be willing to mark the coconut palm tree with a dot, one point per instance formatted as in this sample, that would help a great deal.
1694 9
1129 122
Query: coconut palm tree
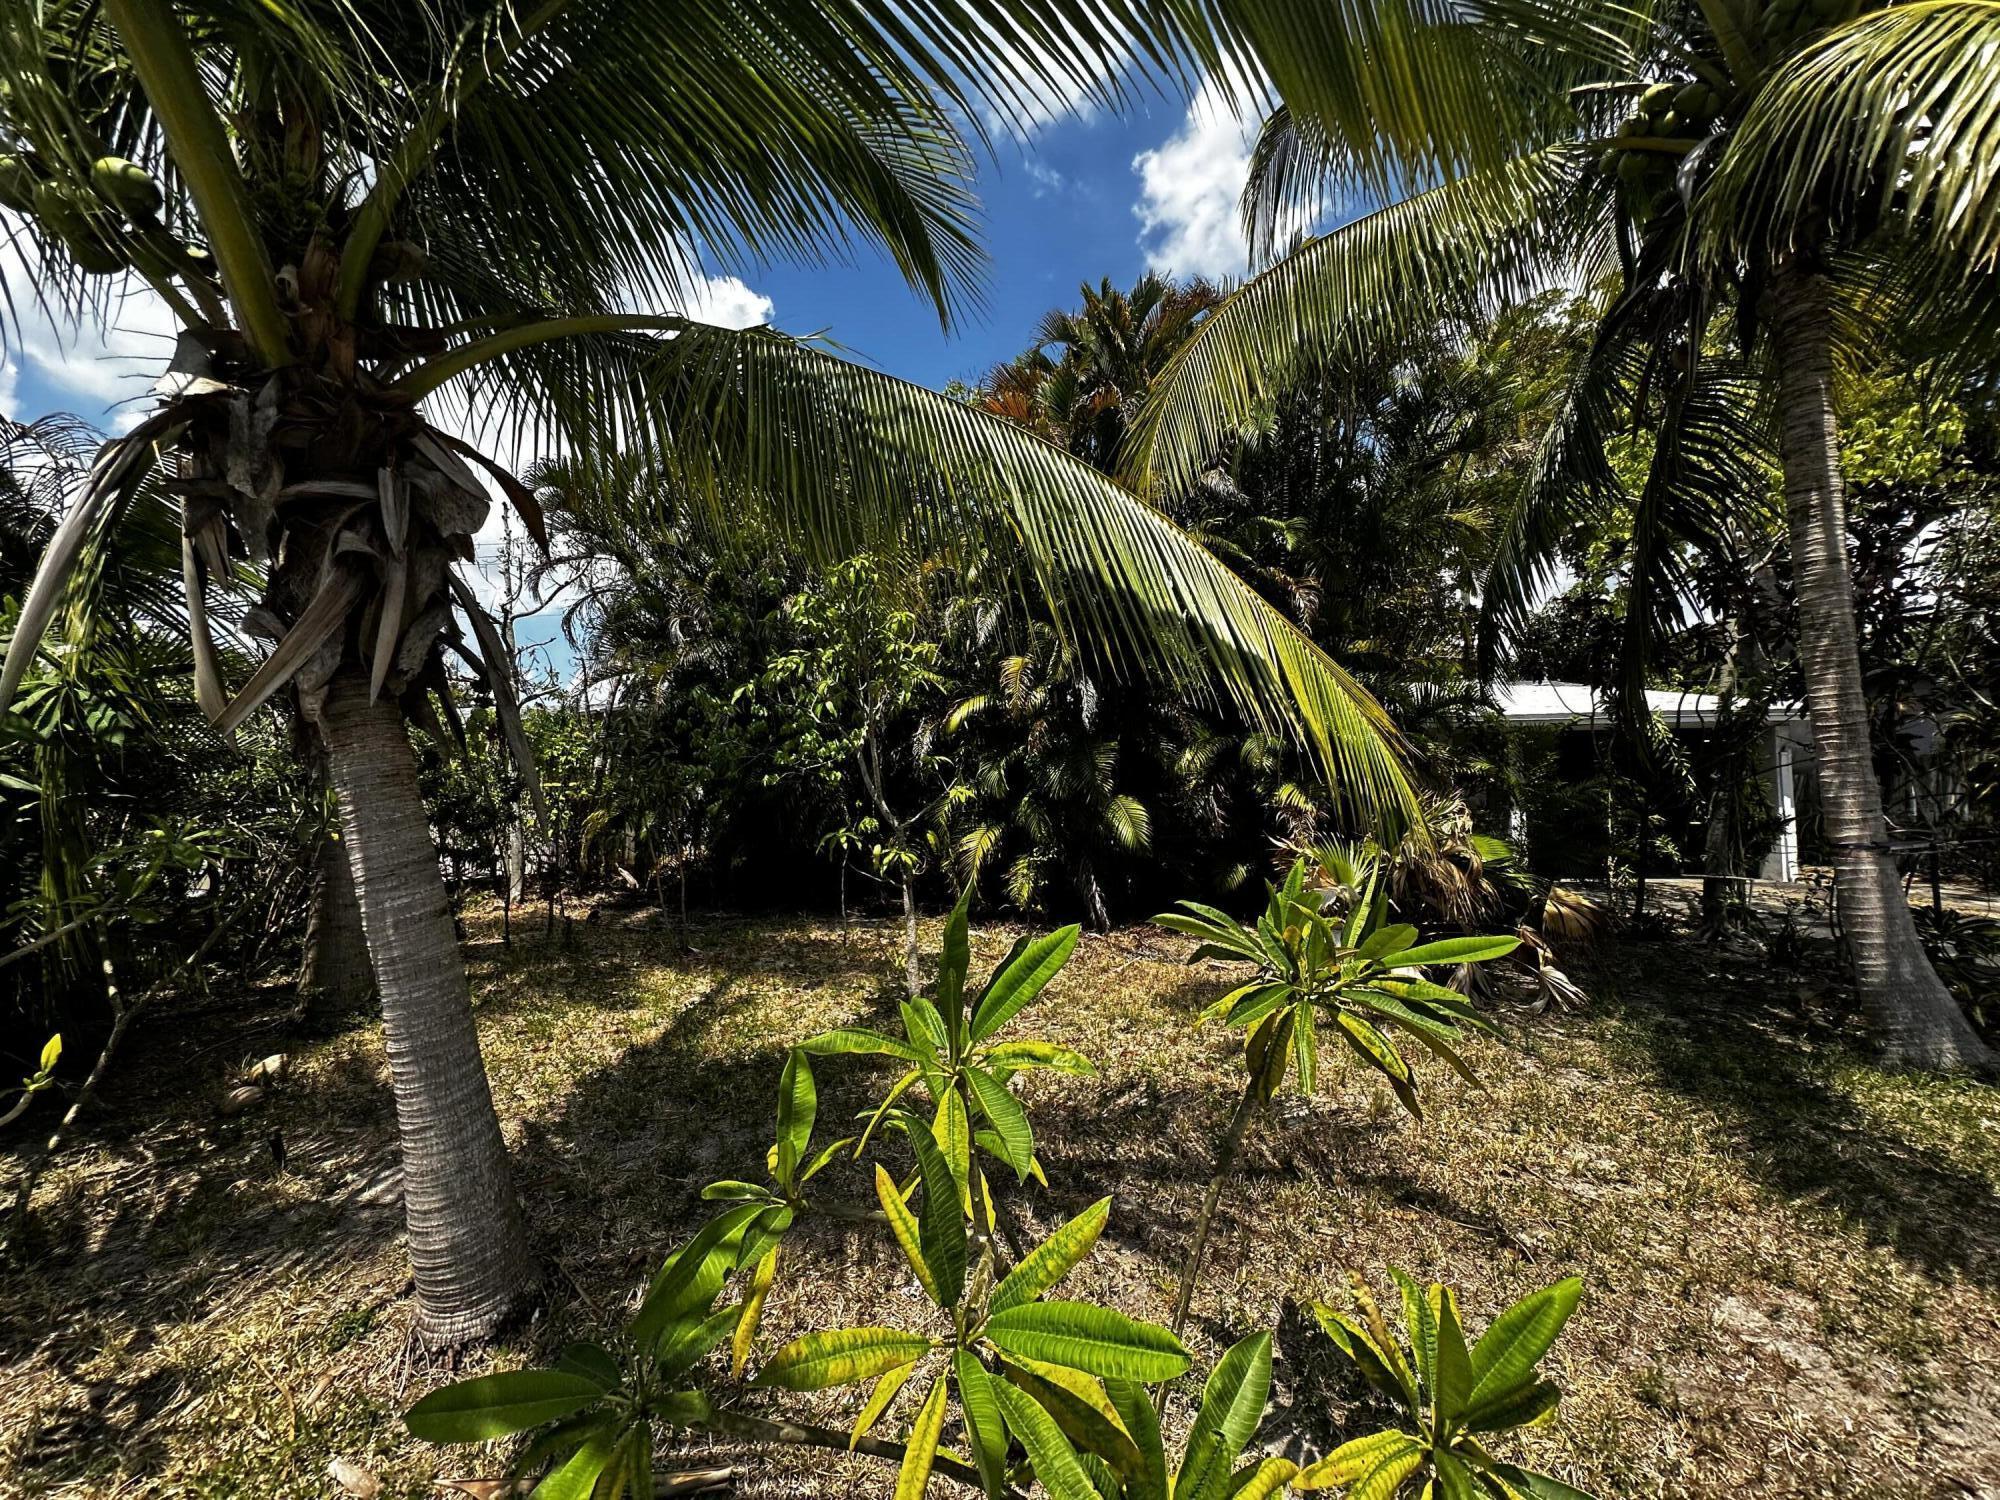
365 213
1819 171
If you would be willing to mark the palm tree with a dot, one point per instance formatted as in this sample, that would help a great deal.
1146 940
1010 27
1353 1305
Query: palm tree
362 211
1824 177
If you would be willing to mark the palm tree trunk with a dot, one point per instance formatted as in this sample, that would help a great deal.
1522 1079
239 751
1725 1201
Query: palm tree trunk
336 975
1918 1021
466 1241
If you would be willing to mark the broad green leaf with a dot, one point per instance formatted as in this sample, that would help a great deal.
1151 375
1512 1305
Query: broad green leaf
1373 1047
941 1223
1370 1468
1261 1480
592 1362
925 1025
576 1477
1506 1355
1420 1318
1454 1365
826 1154
1021 979
1053 1259
903 1224
843 1356
1385 1369
951 1127
1527 1406
1135 1408
692 1275
1459 950
1086 1337
1009 1119
985 1431
1531 1485
1232 1404
1388 940
1453 1479
1081 1408
687 1341
731 1191
1055 1461
856 1041
920 1447
1223 934
473 1411
752 1312
1022 1056
954 962
881 1111
1305 1051
763 1234
878 1401
798 1106
1255 1001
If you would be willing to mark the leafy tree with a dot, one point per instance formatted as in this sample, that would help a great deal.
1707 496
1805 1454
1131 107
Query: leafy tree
362 212
1816 170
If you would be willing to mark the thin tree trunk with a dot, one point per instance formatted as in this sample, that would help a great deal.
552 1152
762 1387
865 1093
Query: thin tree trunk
1919 1022
336 975
1225 1165
466 1241
913 975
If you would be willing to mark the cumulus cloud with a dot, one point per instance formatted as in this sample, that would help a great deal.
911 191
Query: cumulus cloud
1189 187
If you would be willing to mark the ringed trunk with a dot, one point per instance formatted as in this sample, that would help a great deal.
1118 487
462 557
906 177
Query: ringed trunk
1918 1021
467 1246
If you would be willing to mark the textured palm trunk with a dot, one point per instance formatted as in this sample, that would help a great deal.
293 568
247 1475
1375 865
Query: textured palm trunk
466 1241
1918 1021
336 975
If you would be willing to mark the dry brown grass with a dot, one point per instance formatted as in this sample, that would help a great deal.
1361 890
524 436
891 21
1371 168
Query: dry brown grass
1792 1258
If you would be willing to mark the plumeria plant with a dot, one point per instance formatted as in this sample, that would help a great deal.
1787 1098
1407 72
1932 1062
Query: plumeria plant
1456 1397
1327 953
1033 1390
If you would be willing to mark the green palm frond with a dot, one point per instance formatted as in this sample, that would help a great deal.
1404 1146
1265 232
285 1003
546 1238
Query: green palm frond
1891 119
845 459
1377 280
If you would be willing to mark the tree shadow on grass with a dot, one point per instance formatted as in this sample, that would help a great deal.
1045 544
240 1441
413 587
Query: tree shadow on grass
1771 1077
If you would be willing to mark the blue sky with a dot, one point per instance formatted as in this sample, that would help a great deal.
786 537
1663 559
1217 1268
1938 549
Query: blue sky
1077 197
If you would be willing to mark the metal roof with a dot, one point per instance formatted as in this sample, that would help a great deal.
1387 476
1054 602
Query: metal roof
1573 703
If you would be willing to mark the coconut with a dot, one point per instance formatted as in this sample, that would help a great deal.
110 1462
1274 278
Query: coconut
127 186
17 184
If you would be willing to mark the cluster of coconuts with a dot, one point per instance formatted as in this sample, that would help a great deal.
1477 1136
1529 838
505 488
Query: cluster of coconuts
92 223
1664 111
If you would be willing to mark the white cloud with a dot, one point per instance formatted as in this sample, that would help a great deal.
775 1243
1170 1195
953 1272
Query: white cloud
726 302
1046 179
1189 187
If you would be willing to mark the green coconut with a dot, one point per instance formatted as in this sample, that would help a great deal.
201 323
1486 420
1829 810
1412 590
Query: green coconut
17 184
127 186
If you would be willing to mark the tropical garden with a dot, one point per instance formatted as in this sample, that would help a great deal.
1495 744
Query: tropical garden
1013 945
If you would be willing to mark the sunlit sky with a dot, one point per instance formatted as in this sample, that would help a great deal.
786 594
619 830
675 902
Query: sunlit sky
1086 195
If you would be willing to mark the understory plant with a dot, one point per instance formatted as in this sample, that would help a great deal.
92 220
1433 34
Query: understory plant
1326 954
1455 1399
1007 1387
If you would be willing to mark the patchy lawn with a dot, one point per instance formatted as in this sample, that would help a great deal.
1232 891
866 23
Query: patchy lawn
1792 1258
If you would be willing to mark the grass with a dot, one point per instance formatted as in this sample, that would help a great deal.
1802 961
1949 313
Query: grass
1792 1258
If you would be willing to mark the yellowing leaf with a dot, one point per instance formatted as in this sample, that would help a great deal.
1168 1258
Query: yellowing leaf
920 1447
878 1401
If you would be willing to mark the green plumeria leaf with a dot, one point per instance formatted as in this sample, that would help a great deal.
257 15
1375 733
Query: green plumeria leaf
1023 1056
920 1447
1454 1366
1055 1461
826 1154
1420 1318
1261 1480
492 1406
881 1111
903 1224
1232 1404
684 1344
1090 1338
592 1362
798 1107
1135 1409
1053 1259
1369 1468
730 1191
1527 1406
843 1356
878 1401
1388 940
985 1430
1256 1001
576 1477
925 1025
954 962
690 1278
1453 1480
1081 1408
1021 979
1009 1119
951 1128
1459 950
1505 1357
1530 1485
855 1041
941 1223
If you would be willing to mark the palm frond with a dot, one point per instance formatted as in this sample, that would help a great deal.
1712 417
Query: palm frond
1481 239
1892 119
844 459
